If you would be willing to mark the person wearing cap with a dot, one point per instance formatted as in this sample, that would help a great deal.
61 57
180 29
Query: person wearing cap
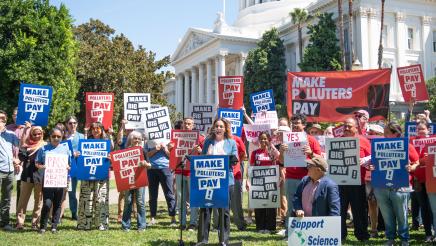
362 118
317 194
315 130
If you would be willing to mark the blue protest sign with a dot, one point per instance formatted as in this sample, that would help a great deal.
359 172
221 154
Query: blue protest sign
235 117
262 101
93 162
69 145
411 129
209 181
34 104
390 157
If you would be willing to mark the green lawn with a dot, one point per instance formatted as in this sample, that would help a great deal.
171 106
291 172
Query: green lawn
160 234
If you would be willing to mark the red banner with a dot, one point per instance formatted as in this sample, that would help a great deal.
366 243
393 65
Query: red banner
231 92
412 83
184 141
128 174
334 96
430 169
99 108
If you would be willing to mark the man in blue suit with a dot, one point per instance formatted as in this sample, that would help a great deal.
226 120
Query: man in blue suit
317 194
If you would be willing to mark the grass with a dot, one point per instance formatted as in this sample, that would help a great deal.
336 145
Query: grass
160 234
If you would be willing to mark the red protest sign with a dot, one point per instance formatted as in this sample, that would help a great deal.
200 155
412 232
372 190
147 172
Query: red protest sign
412 83
338 131
231 92
99 108
430 169
128 174
184 141
334 96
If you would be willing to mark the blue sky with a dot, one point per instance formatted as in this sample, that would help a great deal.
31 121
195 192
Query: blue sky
157 25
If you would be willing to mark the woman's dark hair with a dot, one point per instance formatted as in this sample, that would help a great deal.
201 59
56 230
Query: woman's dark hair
178 124
227 128
301 117
57 129
268 136
395 128
99 125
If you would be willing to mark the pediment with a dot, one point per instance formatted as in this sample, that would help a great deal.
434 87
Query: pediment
192 41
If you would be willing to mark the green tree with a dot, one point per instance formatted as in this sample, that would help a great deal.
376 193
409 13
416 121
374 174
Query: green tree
299 17
265 68
322 53
37 46
110 63
431 88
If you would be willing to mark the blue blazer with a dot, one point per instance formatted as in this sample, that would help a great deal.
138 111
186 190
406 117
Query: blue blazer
230 149
326 200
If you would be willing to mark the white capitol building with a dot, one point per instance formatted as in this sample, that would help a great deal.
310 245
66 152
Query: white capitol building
204 54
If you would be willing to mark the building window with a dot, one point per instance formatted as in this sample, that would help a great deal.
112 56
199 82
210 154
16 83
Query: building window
385 36
434 41
410 38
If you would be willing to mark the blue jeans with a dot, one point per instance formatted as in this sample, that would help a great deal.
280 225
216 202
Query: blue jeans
393 206
72 197
163 177
186 187
140 206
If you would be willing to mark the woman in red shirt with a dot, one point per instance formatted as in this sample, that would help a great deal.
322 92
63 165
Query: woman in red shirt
266 155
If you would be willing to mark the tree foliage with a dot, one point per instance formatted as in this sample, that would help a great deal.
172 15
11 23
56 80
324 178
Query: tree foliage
431 88
265 68
299 17
37 46
322 53
110 63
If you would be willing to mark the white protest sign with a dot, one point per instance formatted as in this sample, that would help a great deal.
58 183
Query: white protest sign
343 157
135 106
294 155
267 117
55 173
264 187
314 231
158 126
203 115
252 132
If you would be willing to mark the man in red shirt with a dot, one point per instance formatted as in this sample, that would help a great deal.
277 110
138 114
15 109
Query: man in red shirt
295 174
236 196
355 195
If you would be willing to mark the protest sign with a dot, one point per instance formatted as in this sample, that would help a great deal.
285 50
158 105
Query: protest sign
412 83
252 132
231 91
389 157
294 155
333 96
128 173
430 169
157 126
420 143
264 187
135 106
34 104
411 129
55 171
153 106
343 157
314 231
203 115
338 131
209 181
267 117
184 142
69 145
235 118
99 108
262 101
93 162
321 141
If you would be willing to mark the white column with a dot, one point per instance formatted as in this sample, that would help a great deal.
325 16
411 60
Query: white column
426 46
374 37
243 57
201 83
247 3
220 70
256 2
194 85
208 81
187 97
401 38
179 93
297 56
362 30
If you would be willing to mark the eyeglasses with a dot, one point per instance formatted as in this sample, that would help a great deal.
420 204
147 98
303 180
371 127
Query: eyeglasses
56 136
72 123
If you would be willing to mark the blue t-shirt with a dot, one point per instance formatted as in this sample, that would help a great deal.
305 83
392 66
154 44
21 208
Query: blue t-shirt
159 160
8 140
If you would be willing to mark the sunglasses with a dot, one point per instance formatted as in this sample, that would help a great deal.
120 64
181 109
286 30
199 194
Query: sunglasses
56 136
72 123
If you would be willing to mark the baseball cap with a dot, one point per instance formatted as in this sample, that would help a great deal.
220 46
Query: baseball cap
376 128
284 129
318 162
317 126
362 112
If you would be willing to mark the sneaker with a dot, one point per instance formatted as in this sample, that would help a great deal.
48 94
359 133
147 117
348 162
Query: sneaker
266 231
249 220
54 230
428 239
192 227
102 228
41 231
373 234
390 243
153 221
126 229
281 232
74 217
173 223
8 228
34 227
261 231
141 229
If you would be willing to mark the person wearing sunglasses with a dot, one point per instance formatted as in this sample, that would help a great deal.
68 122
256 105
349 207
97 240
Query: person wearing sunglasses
51 196
74 136
31 180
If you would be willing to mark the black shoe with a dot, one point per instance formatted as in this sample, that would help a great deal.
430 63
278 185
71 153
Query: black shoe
41 231
74 217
